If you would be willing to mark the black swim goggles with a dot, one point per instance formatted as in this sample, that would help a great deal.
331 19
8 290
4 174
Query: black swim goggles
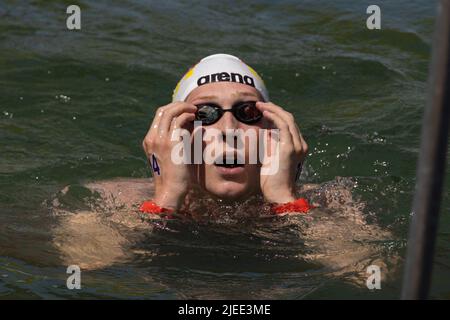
246 112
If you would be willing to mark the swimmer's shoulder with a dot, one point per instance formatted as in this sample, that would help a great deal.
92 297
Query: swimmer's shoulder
127 191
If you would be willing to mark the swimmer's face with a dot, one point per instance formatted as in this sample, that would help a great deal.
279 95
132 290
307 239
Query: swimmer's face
221 181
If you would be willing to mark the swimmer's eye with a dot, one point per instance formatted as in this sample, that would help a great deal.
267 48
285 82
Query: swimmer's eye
208 113
247 112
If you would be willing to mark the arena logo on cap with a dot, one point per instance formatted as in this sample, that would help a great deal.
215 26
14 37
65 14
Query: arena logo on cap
225 76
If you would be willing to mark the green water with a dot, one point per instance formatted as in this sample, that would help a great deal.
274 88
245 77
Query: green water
75 105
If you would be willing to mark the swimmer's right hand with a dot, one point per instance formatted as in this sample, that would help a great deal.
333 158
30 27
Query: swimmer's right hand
171 180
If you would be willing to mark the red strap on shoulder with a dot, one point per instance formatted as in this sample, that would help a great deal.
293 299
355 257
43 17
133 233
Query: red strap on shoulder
299 205
151 207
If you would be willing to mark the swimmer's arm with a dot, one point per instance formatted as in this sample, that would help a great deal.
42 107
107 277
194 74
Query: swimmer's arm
91 239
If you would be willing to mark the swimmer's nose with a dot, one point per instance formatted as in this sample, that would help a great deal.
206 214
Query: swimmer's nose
227 124
228 121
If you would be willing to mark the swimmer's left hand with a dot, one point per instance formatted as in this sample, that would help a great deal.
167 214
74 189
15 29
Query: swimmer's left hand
279 187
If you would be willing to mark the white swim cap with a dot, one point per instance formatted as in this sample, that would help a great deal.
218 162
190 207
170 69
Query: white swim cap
215 68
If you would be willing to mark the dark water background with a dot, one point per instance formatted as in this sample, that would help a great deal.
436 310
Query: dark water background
75 105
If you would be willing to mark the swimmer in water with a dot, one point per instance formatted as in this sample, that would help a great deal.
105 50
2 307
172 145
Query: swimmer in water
222 93
217 84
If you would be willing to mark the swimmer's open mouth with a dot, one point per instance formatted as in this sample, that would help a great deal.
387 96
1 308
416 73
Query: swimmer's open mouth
229 163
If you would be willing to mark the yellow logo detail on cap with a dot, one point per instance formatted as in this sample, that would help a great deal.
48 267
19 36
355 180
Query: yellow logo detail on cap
254 73
186 76
189 73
